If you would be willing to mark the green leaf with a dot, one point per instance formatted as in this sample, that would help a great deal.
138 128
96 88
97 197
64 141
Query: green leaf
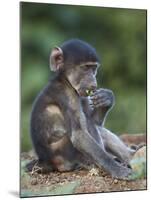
139 168
65 189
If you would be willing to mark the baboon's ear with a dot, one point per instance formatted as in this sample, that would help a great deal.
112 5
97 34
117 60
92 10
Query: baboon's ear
56 59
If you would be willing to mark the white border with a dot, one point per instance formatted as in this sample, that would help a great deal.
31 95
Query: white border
9 99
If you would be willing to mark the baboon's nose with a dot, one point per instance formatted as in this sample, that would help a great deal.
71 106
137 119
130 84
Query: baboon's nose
93 87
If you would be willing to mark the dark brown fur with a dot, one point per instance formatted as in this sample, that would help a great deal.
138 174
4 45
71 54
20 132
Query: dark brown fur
66 125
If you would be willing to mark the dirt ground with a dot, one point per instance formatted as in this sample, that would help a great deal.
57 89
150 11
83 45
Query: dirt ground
89 180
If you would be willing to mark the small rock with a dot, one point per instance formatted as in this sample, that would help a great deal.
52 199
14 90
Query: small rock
123 183
47 181
115 181
56 179
34 181
140 153
53 182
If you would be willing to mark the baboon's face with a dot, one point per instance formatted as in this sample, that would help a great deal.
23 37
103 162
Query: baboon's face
83 78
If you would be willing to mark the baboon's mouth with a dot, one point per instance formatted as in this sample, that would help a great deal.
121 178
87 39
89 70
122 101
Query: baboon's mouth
85 92
89 92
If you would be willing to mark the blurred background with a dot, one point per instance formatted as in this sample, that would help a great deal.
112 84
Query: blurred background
119 36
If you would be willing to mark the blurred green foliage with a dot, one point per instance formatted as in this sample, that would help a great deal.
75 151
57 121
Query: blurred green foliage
119 36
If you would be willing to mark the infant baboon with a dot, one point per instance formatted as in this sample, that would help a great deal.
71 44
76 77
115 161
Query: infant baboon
67 120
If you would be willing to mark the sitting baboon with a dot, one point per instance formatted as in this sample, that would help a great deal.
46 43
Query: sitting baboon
67 120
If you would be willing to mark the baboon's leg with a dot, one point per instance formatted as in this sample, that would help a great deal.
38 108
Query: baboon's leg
115 146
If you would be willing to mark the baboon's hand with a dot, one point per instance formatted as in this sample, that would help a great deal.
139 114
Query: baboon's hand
102 98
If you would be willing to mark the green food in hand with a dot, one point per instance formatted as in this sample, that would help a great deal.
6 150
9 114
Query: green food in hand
89 92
